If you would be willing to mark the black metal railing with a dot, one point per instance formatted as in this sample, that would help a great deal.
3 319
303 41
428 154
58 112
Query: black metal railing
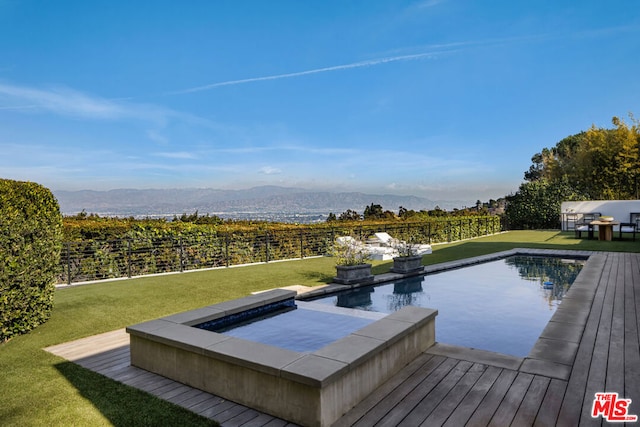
92 260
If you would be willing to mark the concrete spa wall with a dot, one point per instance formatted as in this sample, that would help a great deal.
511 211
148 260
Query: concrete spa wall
311 389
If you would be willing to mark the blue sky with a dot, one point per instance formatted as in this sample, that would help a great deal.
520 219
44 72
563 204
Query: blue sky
445 99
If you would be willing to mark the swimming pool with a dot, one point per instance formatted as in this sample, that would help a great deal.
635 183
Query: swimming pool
501 305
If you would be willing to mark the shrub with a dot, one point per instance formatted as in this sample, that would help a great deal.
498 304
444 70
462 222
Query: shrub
30 243
349 251
536 205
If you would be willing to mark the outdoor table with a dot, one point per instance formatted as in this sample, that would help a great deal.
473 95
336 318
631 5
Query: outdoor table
605 229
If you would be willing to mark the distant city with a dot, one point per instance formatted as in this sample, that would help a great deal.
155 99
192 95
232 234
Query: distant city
267 203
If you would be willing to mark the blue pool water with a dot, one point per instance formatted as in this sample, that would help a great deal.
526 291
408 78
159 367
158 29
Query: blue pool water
303 326
500 306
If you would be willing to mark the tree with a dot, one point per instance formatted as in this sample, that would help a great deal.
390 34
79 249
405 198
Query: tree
536 205
349 215
373 211
599 163
404 213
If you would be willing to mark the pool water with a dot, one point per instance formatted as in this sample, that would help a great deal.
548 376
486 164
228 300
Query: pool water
500 306
303 327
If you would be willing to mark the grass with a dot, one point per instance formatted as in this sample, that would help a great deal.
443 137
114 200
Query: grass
38 388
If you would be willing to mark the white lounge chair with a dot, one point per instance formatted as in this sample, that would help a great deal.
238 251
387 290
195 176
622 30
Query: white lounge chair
383 239
381 253
381 246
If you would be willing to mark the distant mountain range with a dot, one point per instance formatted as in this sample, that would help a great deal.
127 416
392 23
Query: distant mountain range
265 202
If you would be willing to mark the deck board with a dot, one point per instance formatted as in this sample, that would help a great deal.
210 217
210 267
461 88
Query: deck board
369 406
488 406
574 396
614 378
472 399
511 401
632 334
411 398
550 406
449 387
528 410
432 399
456 395
437 364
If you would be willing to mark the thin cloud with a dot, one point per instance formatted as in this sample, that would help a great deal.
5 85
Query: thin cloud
268 170
439 49
64 101
361 64
436 50
300 149
429 3
158 138
72 103
176 155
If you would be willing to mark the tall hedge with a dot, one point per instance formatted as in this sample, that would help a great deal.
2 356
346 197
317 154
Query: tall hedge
30 244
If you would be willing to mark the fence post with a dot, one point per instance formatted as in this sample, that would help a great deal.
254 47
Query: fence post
68 245
128 258
181 254
266 246
226 249
301 244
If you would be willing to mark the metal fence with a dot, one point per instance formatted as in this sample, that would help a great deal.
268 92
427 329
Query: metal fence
107 259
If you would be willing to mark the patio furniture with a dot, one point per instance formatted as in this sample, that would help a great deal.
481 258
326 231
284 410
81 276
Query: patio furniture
631 226
382 246
381 239
605 229
584 224
571 220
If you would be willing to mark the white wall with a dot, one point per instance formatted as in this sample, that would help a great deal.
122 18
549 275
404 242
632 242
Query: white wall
618 209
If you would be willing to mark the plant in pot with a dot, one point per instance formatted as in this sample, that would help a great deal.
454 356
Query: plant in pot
408 261
351 261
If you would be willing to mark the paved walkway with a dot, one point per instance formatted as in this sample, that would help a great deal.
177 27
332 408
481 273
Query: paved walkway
590 345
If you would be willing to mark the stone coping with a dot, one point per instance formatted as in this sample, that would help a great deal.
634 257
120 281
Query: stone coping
443 266
316 369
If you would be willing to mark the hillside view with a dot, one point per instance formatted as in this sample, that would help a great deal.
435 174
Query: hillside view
259 203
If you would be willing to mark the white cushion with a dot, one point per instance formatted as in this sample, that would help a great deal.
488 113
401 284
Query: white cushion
383 237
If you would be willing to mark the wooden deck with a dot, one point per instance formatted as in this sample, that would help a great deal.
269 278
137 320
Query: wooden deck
591 345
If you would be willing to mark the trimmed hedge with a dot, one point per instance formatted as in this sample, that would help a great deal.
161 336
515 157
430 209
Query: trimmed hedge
30 244
150 247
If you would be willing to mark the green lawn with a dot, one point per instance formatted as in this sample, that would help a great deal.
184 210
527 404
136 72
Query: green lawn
37 388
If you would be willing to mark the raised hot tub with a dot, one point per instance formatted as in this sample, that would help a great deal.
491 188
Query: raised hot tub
311 388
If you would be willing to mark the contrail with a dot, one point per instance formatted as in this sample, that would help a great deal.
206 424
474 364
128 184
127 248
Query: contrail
307 72
436 49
